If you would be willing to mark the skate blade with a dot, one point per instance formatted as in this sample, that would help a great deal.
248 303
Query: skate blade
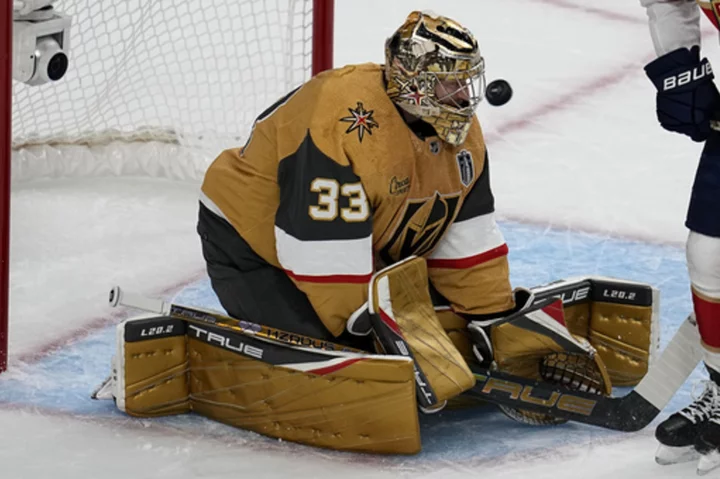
667 455
708 462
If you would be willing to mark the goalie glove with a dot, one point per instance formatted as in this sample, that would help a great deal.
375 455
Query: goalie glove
687 98
533 342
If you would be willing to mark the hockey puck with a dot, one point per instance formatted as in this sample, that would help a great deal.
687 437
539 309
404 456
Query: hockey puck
498 92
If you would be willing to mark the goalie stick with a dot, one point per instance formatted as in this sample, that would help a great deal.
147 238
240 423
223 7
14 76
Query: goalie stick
119 297
628 413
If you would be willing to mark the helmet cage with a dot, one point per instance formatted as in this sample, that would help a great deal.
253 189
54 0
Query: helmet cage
459 92
436 76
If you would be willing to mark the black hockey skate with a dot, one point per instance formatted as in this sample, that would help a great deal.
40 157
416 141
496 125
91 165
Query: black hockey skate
707 443
684 435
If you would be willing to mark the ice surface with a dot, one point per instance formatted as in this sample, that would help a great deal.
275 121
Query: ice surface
585 182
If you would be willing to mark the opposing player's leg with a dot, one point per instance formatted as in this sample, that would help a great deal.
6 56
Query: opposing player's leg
696 428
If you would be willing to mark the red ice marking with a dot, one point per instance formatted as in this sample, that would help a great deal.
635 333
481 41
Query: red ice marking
575 97
470 261
598 12
555 311
579 95
74 335
707 314
334 367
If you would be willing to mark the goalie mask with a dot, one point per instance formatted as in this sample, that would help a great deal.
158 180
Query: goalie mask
434 71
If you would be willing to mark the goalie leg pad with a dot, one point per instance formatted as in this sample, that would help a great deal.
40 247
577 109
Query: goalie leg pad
151 367
338 400
367 406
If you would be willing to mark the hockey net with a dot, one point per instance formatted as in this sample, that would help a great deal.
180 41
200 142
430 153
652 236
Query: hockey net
155 88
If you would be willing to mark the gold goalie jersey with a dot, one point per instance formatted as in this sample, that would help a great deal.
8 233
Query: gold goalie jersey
332 185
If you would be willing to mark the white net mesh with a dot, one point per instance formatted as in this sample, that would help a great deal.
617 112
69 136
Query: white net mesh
189 74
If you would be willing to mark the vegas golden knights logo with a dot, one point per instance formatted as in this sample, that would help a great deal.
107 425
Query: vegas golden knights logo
421 227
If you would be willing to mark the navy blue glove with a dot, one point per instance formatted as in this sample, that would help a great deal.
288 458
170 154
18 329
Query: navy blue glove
687 98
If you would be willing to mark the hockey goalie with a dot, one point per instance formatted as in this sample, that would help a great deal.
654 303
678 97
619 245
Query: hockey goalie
353 244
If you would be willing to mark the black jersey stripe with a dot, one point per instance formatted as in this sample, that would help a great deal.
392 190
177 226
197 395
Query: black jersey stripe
296 174
480 200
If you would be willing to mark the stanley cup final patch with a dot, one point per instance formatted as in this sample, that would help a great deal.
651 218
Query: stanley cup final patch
466 166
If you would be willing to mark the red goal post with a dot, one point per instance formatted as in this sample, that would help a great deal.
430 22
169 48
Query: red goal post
187 73
6 15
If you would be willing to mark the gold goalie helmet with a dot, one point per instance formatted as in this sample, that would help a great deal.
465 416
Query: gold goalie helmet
434 71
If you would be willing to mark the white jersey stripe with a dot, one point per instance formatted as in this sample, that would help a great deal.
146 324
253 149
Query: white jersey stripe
324 258
469 238
210 204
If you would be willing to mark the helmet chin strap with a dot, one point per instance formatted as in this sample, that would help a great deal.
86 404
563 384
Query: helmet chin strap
420 127
409 117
